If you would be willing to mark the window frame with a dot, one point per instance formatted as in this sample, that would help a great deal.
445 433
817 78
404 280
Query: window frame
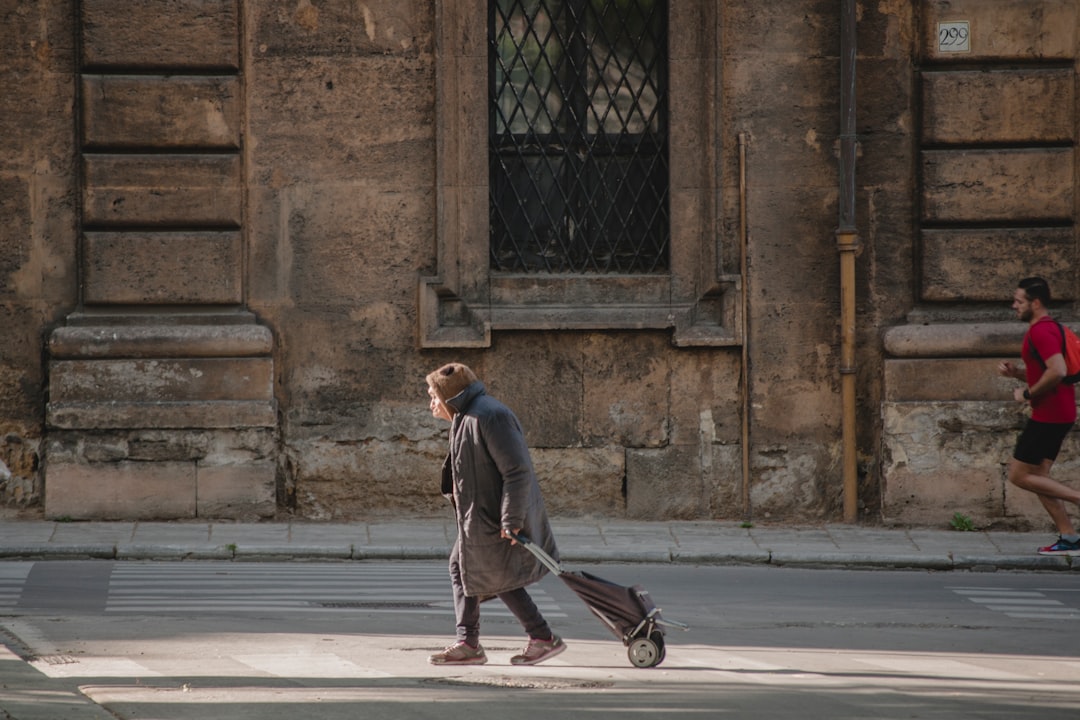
465 301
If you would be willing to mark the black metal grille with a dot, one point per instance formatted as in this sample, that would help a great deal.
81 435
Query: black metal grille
578 136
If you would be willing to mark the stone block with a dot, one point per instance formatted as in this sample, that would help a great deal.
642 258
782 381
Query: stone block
345 29
162 268
540 379
980 185
665 484
344 122
1017 106
157 446
1023 510
988 339
705 401
724 481
625 391
798 479
764 30
160 340
131 376
338 232
160 111
161 380
793 401
581 481
194 34
931 499
787 125
985 264
340 478
160 415
1003 29
237 492
191 190
120 491
939 458
350 372
239 446
945 379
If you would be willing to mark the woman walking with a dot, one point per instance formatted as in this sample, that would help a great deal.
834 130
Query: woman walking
489 478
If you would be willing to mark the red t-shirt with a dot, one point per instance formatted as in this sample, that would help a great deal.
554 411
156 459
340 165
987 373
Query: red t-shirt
1058 406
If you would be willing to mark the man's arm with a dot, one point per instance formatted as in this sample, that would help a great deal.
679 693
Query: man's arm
1010 370
1051 378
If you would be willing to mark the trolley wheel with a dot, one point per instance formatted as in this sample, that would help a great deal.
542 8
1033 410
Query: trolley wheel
658 639
643 652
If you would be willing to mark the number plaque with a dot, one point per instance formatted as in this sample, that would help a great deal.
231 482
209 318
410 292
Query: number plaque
953 37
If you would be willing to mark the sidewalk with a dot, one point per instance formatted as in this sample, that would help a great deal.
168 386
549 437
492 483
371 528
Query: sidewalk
580 542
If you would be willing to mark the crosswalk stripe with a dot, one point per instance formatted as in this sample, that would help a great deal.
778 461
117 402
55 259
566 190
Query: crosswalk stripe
1021 604
12 579
1000 593
1071 615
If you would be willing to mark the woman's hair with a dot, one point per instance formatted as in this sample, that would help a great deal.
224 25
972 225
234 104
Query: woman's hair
450 379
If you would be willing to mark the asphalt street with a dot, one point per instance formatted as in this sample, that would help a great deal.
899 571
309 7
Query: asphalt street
332 639
133 616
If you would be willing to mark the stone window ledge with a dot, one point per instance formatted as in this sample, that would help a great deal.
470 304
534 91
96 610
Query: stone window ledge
448 321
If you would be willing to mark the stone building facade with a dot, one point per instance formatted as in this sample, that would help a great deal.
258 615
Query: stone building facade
240 232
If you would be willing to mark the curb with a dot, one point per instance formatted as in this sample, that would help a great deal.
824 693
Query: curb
864 560
285 553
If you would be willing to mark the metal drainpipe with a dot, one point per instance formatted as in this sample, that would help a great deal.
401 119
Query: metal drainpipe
848 245
744 330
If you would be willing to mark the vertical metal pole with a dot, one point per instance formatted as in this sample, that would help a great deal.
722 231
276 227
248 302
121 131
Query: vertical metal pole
848 244
744 332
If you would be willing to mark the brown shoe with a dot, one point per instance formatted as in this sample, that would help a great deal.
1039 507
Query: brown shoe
537 651
460 653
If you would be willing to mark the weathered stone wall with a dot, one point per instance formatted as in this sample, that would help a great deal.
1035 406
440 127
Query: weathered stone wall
621 422
292 180
38 179
781 87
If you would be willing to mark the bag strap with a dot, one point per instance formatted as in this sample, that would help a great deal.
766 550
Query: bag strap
1064 347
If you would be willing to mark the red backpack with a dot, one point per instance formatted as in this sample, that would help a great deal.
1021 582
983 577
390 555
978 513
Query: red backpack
1070 350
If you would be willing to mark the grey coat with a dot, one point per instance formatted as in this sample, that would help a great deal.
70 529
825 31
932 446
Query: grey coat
490 480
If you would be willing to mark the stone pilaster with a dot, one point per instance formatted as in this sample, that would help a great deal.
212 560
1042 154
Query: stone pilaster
161 384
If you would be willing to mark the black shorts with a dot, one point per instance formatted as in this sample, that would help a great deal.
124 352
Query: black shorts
1040 441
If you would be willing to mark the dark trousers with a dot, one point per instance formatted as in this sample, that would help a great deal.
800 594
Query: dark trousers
467 610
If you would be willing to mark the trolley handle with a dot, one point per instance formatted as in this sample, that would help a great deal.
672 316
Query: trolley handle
545 559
